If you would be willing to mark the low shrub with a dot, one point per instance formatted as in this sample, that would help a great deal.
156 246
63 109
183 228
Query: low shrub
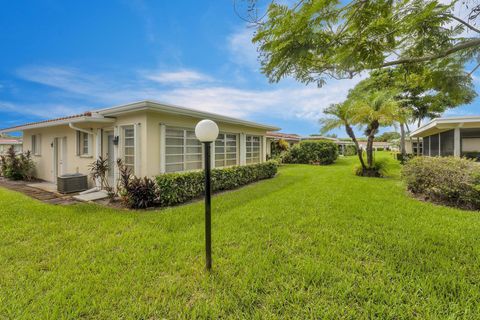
17 166
136 193
175 188
141 193
378 170
449 180
404 158
312 152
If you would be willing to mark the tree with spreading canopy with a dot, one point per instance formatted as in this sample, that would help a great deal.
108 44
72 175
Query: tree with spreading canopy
314 40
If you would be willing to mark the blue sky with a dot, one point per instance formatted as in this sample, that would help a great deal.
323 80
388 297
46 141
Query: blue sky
65 57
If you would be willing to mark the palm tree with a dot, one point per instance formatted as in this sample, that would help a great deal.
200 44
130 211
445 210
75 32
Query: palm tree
373 111
340 115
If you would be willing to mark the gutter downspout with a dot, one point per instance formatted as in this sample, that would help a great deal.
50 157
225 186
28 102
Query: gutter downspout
72 126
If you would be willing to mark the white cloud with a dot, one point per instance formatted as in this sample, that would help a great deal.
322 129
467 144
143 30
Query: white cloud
181 77
64 78
45 111
281 101
242 50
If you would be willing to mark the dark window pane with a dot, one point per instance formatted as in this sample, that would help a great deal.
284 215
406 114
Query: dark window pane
446 143
434 145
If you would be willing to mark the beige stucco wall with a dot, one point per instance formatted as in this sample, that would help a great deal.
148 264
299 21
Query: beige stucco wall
148 144
44 161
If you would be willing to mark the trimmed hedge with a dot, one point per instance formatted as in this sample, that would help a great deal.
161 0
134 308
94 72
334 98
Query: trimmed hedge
449 180
176 188
312 152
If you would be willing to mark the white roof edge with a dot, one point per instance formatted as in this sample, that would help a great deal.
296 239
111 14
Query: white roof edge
436 121
57 122
100 114
170 108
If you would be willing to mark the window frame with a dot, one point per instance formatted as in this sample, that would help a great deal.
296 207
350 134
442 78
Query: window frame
132 165
185 137
225 153
249 144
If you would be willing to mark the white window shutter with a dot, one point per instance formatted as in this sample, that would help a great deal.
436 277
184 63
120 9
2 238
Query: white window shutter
137 144
39 144
77 143
90 144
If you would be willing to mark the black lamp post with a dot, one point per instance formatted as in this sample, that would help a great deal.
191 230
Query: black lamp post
207 132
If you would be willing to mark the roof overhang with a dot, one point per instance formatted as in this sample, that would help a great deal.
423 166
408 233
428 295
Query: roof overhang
106 116
439 125
81 119
173 109
10 142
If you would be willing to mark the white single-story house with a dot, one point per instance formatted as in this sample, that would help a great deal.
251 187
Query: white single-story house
151 138
453 136
7 142
413 145
382 145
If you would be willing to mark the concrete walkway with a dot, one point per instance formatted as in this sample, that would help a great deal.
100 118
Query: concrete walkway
28 189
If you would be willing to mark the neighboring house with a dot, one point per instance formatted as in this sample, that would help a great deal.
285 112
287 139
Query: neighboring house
275 136
7 142
376 145
455 136
413 145
150 137
318 138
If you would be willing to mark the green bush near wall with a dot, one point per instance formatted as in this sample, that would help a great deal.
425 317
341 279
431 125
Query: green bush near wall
176 188
449 180
312 152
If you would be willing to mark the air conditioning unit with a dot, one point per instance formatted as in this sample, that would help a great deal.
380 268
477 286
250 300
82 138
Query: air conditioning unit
69 183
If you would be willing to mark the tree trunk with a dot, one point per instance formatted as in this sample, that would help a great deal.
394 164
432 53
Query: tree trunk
373 127
370 150
351 134
402 140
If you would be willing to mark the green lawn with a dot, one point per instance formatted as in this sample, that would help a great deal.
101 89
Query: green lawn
315 242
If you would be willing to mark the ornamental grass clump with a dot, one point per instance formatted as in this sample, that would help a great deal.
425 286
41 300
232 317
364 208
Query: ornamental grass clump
448 180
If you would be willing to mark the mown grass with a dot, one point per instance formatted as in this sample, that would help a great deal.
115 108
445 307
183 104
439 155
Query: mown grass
315 242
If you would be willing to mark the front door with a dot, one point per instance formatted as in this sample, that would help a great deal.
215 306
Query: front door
59 157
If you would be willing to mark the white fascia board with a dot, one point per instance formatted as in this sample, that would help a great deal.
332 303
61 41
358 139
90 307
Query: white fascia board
95 119
442 124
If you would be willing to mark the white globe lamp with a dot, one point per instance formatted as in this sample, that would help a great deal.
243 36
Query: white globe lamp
206 131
